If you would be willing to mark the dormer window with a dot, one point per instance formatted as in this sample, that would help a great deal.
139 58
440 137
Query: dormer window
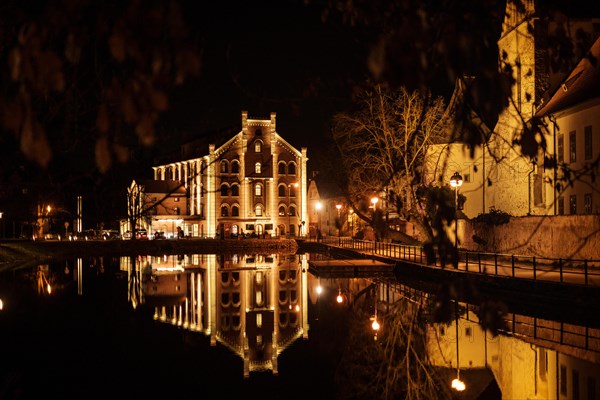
257 168
257 146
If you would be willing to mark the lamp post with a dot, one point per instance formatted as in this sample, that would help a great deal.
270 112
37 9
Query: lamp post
374 200
351 212
339 223
295 185
456 181
457 384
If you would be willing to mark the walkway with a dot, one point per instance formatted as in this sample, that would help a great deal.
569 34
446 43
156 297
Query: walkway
572 271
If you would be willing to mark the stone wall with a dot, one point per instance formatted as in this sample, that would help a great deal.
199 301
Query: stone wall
562 236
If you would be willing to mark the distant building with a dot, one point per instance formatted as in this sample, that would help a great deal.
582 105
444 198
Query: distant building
253 184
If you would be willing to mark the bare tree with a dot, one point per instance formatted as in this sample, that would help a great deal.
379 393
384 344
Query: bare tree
383 145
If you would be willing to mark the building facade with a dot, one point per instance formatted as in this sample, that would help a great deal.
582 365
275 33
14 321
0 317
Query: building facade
497 175
253 184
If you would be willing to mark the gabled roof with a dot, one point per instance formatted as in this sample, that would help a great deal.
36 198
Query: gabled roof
163 187
583 83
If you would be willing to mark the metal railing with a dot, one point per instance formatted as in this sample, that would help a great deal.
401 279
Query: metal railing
573 271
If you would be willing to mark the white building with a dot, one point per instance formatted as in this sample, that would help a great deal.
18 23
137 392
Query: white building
255 183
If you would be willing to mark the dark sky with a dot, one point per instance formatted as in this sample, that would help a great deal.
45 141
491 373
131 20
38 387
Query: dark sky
263 57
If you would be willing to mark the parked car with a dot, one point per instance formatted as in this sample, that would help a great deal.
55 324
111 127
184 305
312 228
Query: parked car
141 234
110 234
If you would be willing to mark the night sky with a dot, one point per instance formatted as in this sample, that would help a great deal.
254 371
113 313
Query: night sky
263 57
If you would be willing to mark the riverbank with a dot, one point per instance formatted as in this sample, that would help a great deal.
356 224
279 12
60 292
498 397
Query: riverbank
19 252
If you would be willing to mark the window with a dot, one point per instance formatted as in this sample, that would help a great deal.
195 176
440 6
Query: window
235 190
257 168
573 146
258 190
258 210
468 331
224 190
591 388
176 199
235 167
292 210
587 203
177 211
281 211
281 168
292 169
575 384
281 191
257 146
563 380
561 148
573 204
223 167
292 191
235 211
587 138
561 206
224 211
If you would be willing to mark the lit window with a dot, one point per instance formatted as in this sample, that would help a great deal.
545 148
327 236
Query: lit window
258 210
588 142
258 320
587 203
573 146
292 169
257 146
257 168
561 148
561 206
281 211
258 190
224 167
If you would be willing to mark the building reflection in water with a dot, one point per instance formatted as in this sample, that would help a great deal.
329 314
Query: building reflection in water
255 305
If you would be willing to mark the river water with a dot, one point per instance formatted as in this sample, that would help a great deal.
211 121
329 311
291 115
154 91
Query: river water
270 326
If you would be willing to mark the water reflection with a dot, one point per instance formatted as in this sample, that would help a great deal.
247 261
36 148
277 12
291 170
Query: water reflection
259 306
254 304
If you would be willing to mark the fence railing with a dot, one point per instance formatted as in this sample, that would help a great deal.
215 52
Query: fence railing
573 271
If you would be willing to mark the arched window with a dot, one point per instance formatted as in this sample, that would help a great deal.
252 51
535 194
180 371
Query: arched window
235 190
281 211
292 211
281 168
235 167
292 191
224 190
258 190
258 210
281 191
257 168
224 211
257 146
292 169
235 211
223 167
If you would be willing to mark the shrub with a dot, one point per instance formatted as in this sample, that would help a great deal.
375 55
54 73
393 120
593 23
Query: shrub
494 217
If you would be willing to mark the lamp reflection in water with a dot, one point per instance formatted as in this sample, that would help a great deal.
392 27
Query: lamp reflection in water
375 324
457 384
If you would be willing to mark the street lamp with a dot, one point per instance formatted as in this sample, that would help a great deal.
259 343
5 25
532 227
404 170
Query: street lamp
456 181
295 185
374 200
351 212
